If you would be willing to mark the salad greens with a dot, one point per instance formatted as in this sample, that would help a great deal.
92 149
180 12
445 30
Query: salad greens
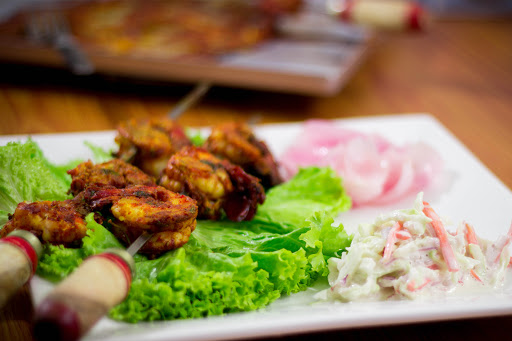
225 267
312 189
25 174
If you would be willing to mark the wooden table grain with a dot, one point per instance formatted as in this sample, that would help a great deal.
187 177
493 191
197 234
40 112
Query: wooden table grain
458 71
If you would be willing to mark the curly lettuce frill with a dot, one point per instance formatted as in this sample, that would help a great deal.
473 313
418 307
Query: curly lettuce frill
188 285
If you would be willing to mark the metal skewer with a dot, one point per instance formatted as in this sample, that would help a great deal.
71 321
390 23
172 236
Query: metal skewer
138 243
189 100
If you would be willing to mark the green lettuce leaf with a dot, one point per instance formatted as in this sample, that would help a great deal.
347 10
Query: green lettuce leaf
197 138
188 283
26 175
99 155
312 190
324 240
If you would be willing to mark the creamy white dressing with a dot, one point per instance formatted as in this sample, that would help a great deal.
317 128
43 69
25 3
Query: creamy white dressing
402 256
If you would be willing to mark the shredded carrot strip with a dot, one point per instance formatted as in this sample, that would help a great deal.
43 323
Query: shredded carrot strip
403 235
470 234
473 273
433 267
390 241
411 285
446 248
471 238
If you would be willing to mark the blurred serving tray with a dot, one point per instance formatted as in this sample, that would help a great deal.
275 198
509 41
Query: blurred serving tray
310 54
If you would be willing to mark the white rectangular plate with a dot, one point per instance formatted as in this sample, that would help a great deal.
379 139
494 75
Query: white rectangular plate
472 194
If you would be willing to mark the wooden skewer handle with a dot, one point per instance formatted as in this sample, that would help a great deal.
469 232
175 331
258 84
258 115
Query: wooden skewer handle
387 14
18 262
79 301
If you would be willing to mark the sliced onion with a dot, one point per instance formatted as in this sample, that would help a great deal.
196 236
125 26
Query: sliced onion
374 171
427 164
363 171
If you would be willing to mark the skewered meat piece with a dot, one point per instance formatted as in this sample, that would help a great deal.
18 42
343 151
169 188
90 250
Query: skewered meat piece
54 222
214 183
130 211
237 143
198 174
115 172
148 144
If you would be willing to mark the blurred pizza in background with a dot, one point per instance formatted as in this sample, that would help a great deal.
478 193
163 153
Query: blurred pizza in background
164 29
174 28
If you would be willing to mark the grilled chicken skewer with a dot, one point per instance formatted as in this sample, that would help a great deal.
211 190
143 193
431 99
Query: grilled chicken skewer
142 213
155 219
150 215
133 205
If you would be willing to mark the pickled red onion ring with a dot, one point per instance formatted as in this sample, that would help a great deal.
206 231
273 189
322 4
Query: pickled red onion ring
374 170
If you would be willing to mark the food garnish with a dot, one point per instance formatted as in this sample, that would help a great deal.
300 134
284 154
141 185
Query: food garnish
374 170
409 254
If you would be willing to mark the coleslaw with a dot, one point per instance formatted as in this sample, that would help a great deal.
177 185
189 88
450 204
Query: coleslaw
408 254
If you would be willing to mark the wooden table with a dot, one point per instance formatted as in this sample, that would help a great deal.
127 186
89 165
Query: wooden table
460 72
